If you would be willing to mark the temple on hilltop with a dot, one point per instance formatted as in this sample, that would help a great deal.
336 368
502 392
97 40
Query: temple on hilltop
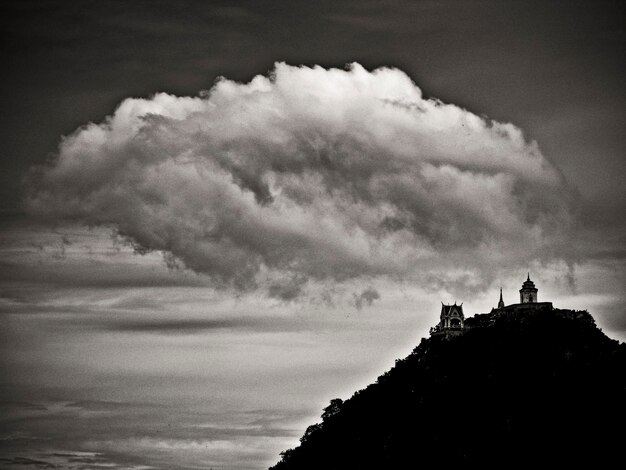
527 299
452 320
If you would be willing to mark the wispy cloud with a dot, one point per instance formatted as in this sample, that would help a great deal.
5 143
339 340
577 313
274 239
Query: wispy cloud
64 459
201 326
235 439
367 297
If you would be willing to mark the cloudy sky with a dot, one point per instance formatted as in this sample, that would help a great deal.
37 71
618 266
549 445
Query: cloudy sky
217 216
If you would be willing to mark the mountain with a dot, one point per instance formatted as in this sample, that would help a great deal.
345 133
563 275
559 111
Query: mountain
524 388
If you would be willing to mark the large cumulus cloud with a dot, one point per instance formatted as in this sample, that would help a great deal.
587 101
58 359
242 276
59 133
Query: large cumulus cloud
307 175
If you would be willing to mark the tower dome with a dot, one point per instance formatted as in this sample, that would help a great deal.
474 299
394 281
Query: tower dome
528 292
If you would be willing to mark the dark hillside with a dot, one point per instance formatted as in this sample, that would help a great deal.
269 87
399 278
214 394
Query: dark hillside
526 388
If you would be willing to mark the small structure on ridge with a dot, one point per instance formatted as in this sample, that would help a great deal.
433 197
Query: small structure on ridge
452 320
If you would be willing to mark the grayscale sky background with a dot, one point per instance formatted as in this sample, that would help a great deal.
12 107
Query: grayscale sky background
192 267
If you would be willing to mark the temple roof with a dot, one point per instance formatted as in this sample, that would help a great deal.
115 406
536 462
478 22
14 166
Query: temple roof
528 284
449 309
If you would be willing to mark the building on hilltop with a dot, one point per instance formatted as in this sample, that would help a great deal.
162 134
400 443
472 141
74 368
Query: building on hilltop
452 320
528 299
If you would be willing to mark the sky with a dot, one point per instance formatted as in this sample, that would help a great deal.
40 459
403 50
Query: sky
217 216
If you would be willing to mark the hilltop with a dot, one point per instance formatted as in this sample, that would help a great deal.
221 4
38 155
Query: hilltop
528 387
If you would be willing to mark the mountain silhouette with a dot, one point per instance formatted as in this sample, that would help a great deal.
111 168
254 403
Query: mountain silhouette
526 388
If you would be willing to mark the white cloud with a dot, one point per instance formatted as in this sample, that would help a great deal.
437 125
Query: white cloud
312 174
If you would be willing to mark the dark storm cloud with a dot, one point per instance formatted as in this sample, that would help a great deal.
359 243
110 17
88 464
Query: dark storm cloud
309 174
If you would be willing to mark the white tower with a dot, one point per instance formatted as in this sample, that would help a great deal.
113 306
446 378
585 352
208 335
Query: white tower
528 292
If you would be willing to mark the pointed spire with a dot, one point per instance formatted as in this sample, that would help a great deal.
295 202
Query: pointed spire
501 302
500 294
528 278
